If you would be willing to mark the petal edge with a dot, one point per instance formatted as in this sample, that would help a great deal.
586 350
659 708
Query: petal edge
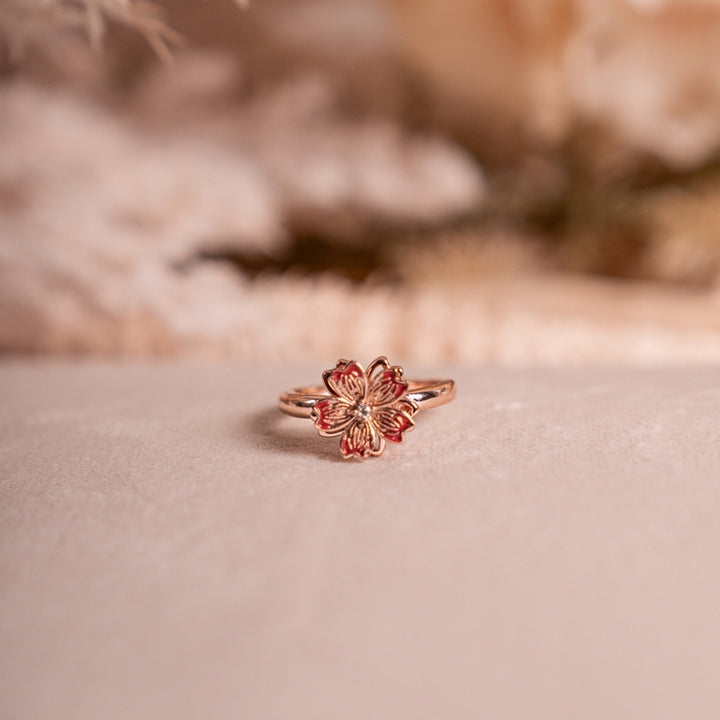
331 416
361 440
347 380
386 385
392 423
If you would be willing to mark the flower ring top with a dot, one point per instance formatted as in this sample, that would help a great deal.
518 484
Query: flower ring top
366 407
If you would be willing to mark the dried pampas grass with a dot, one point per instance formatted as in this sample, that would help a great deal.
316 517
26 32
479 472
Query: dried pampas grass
684 228
645 71
24 21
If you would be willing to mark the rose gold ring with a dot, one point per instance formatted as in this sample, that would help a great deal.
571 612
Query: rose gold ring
367 407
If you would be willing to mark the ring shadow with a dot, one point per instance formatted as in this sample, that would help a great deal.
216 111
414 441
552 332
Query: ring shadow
267 427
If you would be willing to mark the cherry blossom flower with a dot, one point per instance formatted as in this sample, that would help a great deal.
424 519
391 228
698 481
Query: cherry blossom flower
367 407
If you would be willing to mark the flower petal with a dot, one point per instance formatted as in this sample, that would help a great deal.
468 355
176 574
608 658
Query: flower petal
347 381
385 383
361 440
332 416
392 422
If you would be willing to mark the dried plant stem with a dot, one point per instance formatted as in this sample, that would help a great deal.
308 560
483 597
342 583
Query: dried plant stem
24 20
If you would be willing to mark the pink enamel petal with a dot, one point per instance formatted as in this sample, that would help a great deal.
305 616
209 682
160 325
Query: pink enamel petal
347 381
361 440
392 423
386 385
332 416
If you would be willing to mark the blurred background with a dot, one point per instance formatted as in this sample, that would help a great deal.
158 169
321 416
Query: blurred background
476 181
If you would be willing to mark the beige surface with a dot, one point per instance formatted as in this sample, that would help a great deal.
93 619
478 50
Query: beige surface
171 548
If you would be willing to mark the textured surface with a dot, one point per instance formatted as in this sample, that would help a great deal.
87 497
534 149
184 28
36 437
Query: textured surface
170 546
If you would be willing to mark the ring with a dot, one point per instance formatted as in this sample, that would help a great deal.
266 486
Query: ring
367 407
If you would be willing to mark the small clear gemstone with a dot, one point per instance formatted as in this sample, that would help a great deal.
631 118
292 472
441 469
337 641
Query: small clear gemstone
363 410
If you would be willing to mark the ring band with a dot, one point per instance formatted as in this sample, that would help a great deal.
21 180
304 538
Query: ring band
426 393
366 407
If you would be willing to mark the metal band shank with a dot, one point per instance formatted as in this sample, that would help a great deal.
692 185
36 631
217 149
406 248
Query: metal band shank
426 393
